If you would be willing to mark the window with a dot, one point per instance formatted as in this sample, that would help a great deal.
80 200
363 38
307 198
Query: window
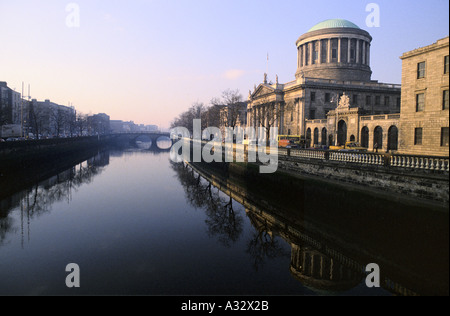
289 132
421 70
327 97
420 102
292 116
334 53
446 64
399 102
312 114
444 136
313 96
368 100
377 100
386 101
418 136
355 99
445 100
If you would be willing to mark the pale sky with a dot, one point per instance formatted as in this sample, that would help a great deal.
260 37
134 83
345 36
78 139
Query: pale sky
149 60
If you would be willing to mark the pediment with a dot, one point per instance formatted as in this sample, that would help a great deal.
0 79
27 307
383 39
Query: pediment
263 91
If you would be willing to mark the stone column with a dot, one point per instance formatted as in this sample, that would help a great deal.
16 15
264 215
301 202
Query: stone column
363 53
304 54
368 54
349 42
339 50
329 51
357 61
320 51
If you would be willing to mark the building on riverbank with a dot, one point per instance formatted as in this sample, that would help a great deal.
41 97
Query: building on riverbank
10 105
333 58
334 100
424 120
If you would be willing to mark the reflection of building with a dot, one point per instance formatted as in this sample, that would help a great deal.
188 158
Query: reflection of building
424 119
321 272
333 59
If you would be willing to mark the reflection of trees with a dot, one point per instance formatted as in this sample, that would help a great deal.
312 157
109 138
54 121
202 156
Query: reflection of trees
38 199
222 220
263 245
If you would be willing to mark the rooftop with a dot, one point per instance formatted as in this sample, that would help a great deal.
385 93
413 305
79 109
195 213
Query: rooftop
333 23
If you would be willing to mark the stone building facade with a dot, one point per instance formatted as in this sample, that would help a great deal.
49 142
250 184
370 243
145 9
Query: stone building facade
424 121
10 105
333 59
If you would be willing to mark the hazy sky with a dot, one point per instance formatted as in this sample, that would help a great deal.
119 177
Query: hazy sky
149 60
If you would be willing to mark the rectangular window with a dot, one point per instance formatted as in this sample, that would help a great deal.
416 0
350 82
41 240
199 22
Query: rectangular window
292 116
327 97
444 136
312 114
386 101
446 64
445 100
313 96
334 53
421 70
420 102
399 102
355 99
418 136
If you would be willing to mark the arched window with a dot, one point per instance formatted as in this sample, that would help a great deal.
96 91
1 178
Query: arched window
324 136
316 136
365 137
308 138
378 138
352 138
393 138
342 133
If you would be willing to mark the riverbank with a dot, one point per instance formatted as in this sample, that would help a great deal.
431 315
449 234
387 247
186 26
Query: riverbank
413 179
24 163
353 227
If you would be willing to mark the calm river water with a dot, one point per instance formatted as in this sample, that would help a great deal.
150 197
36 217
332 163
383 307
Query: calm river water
137 224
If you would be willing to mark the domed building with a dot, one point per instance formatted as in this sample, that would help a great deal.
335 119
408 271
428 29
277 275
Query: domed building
333 59
334 49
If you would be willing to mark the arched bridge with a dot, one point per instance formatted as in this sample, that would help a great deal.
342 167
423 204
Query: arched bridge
134 138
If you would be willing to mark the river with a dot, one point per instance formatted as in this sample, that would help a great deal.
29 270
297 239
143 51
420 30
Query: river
136 223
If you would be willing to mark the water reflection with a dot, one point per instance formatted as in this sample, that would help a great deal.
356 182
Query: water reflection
222 220
39 198
323 259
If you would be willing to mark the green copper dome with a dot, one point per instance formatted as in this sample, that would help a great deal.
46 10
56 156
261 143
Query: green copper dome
327 24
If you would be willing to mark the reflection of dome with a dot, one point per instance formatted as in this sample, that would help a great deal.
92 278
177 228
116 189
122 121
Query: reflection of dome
320 273
328 24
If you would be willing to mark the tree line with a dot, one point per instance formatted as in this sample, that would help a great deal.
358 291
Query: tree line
223 110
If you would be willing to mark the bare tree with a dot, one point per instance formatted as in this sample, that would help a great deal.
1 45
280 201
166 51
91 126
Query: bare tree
81 123
37 119
268 114
232 107
197 111
58 119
